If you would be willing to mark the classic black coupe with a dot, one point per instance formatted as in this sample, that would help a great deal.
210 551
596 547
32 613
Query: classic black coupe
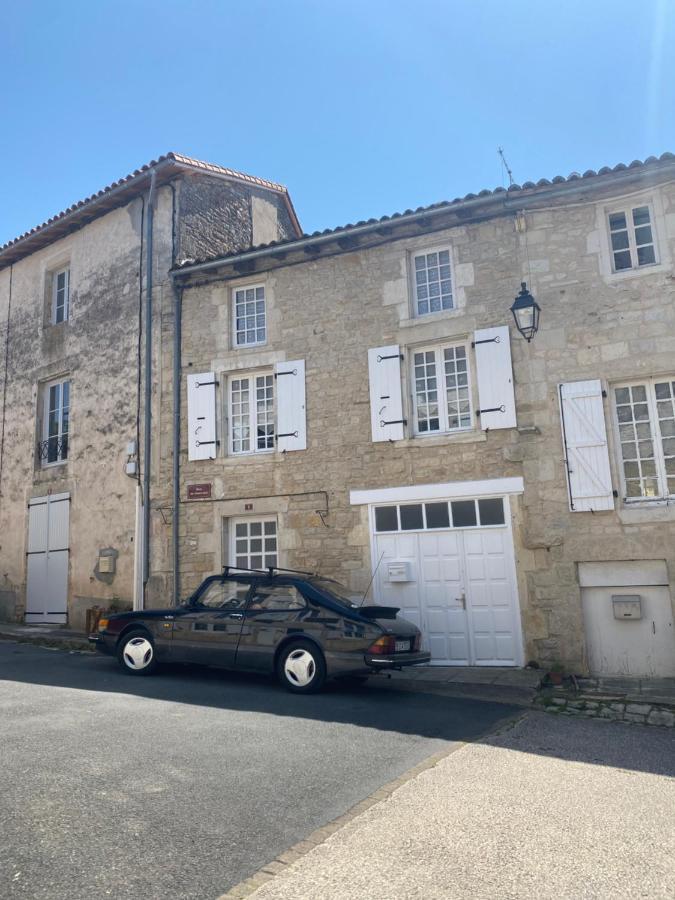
303 627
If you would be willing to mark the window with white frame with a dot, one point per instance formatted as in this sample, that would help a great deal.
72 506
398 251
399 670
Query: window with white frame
441 389
645 420
53 445
60 296
254 543
631 234
433 282
250 315
252 413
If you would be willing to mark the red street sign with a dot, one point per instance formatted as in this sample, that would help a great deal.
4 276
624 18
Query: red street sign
199 491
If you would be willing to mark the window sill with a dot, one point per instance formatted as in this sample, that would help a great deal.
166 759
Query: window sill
432 317
654 511
627 274
470 436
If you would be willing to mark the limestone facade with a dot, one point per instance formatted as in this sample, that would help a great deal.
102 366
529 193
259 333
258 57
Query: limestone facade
330 302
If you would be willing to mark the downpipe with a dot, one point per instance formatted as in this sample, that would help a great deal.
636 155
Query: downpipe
177 329
147 424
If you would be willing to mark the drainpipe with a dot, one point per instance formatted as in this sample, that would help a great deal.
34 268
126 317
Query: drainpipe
147 425
177 323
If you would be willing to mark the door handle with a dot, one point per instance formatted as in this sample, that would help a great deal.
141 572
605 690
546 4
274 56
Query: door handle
236 615
462 599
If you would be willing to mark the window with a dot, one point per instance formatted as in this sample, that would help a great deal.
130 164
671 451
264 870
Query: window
60 296
427 516
433 282
249 316
53 446
645 417
441 390
224 595
277 597
255 544
632 238
252 413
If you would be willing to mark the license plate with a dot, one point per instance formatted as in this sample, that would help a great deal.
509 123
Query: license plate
402 646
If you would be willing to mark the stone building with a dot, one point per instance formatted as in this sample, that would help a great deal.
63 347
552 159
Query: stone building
358 401
73 295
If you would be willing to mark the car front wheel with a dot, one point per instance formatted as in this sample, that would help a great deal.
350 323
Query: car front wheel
136 653
301 667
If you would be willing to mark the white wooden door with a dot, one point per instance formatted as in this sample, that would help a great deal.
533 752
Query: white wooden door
47 559
461 594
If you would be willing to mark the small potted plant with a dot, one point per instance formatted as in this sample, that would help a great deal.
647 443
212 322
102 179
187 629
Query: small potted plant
556 674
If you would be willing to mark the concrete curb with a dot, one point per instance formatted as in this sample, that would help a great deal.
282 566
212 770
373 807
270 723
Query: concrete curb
81 645
278 865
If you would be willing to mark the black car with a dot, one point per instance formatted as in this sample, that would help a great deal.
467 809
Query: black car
303 627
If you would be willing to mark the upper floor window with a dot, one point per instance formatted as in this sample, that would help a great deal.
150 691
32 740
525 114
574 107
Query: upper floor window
632 240
252 413
433 282
60 296
645 417
441 390
53 445
250 319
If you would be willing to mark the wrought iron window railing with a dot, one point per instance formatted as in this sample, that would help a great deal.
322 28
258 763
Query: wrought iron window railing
54 449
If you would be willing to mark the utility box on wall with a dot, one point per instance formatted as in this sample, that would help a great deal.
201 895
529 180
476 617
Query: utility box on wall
627 607
399 571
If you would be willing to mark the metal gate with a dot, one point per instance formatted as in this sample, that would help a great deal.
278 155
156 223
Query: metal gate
47 559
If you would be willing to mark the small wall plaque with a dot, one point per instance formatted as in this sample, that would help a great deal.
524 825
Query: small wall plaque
248 507
199 491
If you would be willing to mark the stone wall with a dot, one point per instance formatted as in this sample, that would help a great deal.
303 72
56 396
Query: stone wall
330 310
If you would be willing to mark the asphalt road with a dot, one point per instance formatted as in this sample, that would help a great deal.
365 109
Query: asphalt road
182 784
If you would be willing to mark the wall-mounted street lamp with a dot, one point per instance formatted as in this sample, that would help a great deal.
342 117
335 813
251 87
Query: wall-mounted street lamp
526 311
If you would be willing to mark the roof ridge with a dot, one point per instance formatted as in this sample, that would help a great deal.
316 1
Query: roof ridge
179 158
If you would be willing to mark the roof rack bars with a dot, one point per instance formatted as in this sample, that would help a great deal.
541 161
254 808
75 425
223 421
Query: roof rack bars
269 571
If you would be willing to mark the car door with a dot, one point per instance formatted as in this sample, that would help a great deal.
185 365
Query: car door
208 631
274 610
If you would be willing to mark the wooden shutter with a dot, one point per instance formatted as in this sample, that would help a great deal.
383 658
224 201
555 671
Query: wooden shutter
201 403
291 431
496 399
584 434
386 398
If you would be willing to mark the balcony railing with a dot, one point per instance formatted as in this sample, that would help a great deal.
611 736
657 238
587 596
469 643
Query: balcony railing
53 450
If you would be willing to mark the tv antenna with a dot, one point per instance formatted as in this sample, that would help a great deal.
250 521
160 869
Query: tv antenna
505 165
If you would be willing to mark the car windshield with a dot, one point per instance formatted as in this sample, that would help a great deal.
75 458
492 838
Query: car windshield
338 592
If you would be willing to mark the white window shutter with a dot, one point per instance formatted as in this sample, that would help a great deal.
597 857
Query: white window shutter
201 404
496 399
582 416
291 413
386 398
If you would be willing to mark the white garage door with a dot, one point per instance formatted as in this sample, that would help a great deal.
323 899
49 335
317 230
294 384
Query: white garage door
460 588
47 559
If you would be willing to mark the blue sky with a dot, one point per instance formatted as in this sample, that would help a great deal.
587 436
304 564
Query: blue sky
360 108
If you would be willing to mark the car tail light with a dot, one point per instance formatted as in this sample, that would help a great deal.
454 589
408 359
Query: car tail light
417 642
383 645
102 624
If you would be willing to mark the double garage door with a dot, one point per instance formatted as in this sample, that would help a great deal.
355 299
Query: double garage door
457 585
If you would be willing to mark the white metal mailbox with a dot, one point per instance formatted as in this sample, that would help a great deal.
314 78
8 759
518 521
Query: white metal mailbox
627 607
399 571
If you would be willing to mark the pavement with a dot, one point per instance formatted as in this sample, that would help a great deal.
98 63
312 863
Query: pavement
546 808
183 784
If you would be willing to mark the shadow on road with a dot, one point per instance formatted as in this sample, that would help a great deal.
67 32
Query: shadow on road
424 715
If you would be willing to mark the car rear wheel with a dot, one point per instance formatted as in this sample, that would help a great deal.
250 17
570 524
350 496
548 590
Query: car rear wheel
301 667
136 653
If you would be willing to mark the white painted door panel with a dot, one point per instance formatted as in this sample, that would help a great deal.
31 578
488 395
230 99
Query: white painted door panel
47 559
461 596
